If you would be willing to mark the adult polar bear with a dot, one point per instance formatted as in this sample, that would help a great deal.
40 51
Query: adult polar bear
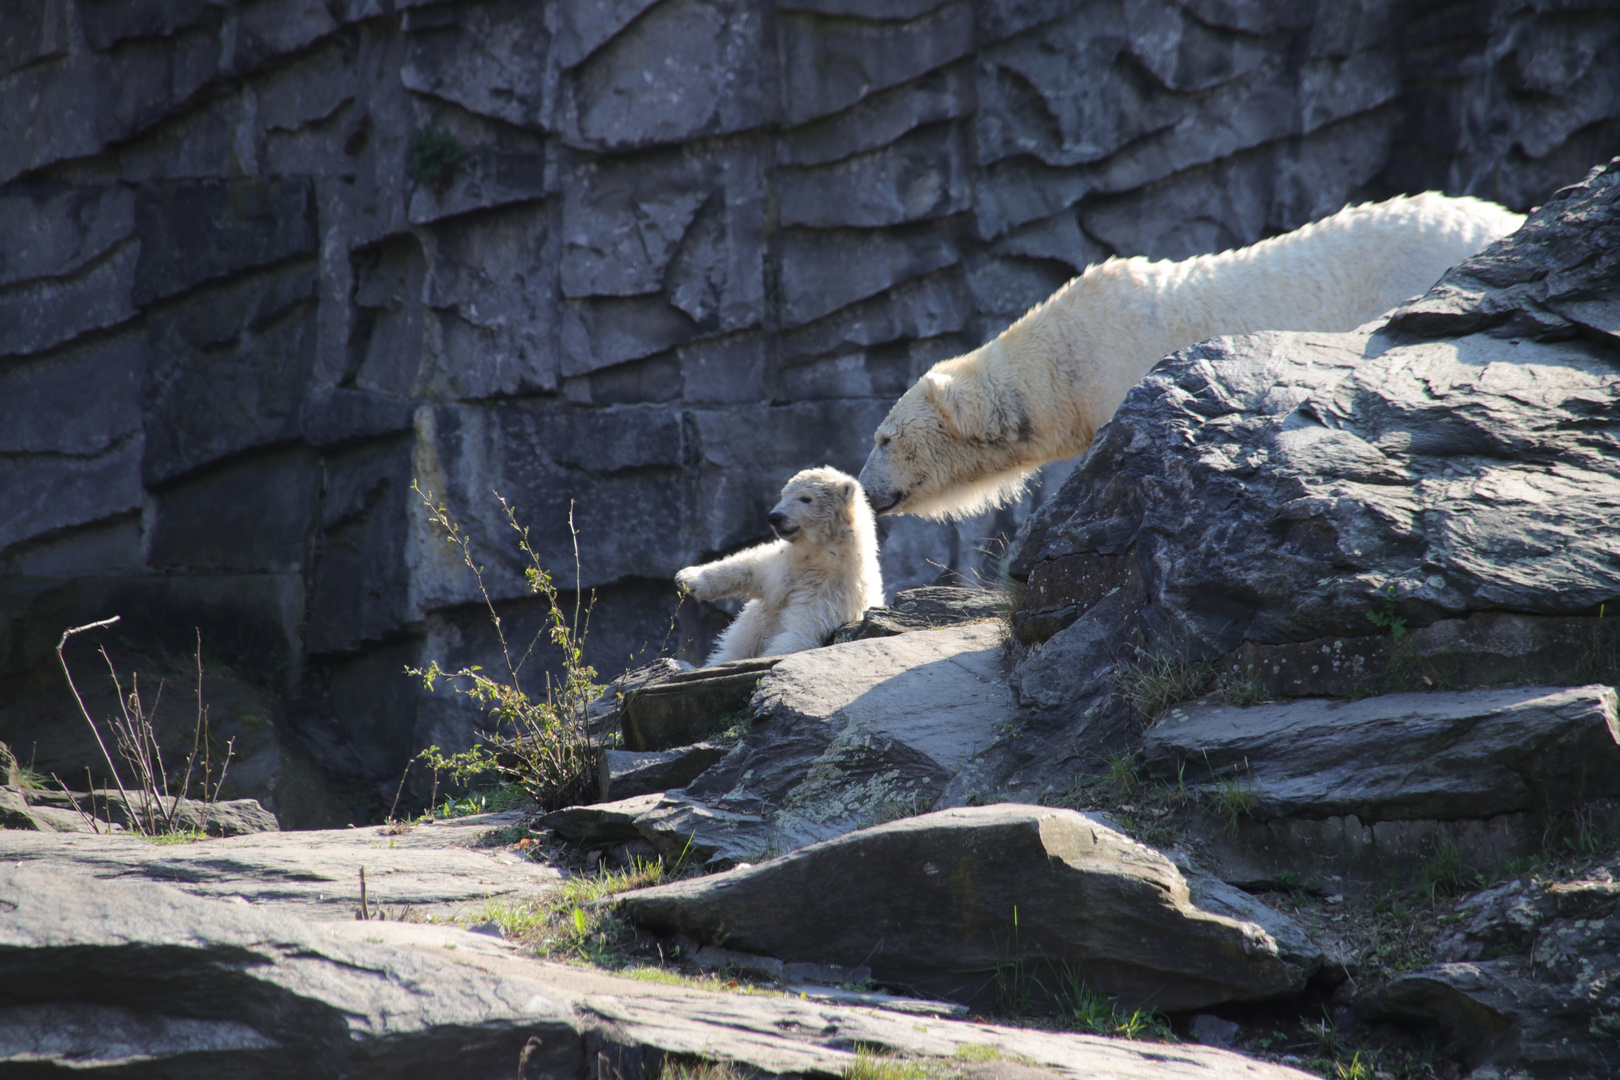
970 432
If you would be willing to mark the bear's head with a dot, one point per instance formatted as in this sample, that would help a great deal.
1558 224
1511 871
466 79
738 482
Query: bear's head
820 506
950 447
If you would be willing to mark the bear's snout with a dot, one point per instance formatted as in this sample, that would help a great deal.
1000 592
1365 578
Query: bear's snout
782 525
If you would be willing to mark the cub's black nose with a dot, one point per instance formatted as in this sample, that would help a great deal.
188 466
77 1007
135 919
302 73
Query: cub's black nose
778 519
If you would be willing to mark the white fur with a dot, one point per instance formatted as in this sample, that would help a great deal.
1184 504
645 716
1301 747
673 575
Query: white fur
824 574
971 431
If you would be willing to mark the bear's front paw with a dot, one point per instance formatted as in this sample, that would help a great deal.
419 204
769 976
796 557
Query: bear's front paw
686 581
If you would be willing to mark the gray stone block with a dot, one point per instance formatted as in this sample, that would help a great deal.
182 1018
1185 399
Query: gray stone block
823 271
688 707
484 178
829 64
79 400
1186 54
582 29
1064 95
701 59
78 104
229 369
623 774
193 232
492 283
689 226
386 341
1011 193
880 118
36 315
923 174
1431 756
51 492
257 34
923 609
31 31
51 231
602 332
748 453
1057 238
1254 16
360 586
488 58
725 370
929 306
257 514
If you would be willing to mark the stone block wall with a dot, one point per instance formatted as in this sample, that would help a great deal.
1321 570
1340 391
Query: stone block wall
674 251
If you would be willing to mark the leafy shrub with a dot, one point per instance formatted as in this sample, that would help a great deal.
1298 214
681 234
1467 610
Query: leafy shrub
541 743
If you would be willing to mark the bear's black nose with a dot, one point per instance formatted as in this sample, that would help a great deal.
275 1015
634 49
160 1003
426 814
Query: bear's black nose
778 519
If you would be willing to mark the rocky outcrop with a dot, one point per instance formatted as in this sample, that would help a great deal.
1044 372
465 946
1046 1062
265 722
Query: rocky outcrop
1443 756
139 978
838 738
1294 507
1524 984
970 904
262 266
925 609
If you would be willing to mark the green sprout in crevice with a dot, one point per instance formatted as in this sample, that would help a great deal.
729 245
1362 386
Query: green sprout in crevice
432 157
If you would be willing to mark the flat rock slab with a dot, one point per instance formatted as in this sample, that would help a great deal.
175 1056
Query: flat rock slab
139 979
843 737
1442 756
688 706
624 774
927 608
945 903
133 978
430 870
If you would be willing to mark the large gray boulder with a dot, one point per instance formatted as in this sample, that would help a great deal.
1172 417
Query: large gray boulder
973 903
1442 756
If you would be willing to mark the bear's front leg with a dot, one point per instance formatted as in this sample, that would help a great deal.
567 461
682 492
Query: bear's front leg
735 575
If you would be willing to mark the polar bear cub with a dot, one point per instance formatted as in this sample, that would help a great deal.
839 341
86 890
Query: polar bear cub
971 431
821 571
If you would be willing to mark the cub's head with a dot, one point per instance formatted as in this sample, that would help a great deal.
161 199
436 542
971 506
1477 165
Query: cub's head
819 505
947 450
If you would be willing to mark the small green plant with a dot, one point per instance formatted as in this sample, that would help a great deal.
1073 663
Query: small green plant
1091 1010
1385 618
870 1064
1153 683
1240 686
702 1069
1598 657
1232 797
542 744
1013 979
432 156
1445 873
731 726
566 924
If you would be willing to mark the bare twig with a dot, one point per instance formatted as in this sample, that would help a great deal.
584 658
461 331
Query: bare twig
89 819
106 756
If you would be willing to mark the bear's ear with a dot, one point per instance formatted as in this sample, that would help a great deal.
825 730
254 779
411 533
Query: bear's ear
962 412
847 489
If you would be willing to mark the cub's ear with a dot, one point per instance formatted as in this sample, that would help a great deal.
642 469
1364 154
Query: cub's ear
848 488
960 409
